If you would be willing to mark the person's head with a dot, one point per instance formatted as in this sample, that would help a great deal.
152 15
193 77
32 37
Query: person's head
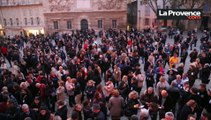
175 54
134 80
60 68
78 107
28 118
144 114
134 117
202 87
191 103
191 117
43 110
96 108
90 83
73 80
53 73
74 116
115 93
178 77
57 117
181 65
186 85
61 83
169 116
10 103
162 79
150 90
184 75
125 78
164 93
133 95
25 108
86 103
36 100
68 79
194 90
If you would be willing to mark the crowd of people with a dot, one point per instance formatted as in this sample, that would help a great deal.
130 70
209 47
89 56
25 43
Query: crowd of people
86 75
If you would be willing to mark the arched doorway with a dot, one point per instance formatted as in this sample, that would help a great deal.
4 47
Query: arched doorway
84 24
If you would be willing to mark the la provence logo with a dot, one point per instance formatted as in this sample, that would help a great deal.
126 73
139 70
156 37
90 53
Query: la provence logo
188 14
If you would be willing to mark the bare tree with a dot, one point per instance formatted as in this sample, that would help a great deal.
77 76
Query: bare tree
191 4
156 4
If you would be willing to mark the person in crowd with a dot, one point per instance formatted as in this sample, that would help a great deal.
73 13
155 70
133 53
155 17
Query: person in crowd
70 87
189 108
97 113
159 72
27 112
90 89
208 103
168 116
205 74
61 91
116 105
192 74
87 111
44 114
144 114
117 75
78 109
191 117
150 101
174 60
165 103
132 105
62 110
36 104
162 85
124 87
12 111
109 89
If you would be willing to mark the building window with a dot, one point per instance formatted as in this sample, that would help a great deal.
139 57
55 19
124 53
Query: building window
100 24
5 22
146 21
38 21
147 10
56 25
69 24
32 22
114 23
17 21
11 23
25 21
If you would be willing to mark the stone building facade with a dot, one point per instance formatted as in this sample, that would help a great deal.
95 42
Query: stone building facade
49 16
64 16
21 16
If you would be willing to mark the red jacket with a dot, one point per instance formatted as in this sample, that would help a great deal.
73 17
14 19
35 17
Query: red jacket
4 50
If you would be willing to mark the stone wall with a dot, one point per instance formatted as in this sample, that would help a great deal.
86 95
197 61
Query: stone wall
105 10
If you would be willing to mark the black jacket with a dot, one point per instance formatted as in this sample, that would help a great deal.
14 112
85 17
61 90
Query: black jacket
32 115
186 110
62 112
168 104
